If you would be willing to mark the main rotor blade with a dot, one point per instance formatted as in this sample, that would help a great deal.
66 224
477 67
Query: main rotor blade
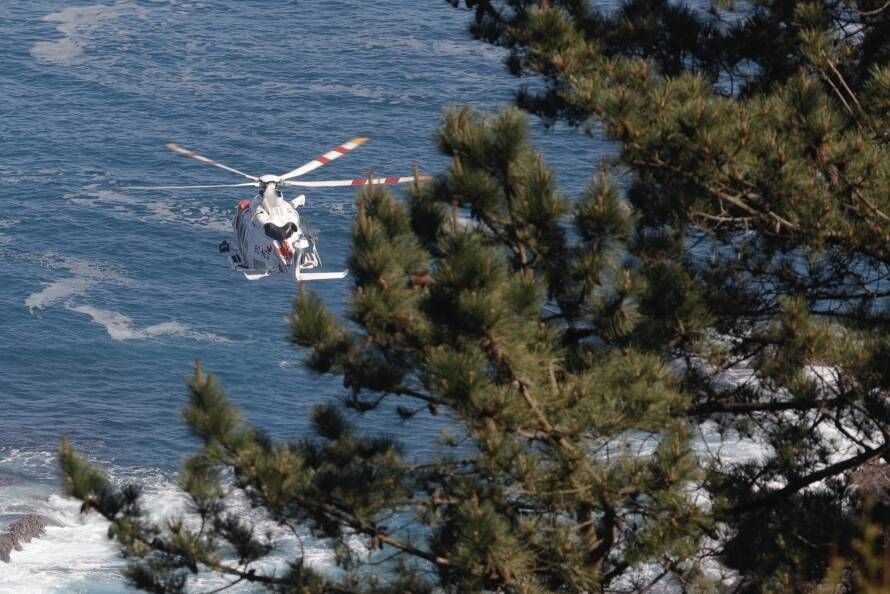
244 185
203 159
325 158
357 182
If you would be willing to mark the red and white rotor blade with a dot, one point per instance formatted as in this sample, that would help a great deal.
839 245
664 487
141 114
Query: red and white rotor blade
184 151
254 184
357 182
325 158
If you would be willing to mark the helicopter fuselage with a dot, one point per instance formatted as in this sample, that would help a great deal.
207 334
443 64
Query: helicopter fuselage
269 239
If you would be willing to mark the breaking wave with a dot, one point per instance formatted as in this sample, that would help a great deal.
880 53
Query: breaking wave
75 554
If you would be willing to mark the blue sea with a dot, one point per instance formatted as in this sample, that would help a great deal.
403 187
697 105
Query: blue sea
109 295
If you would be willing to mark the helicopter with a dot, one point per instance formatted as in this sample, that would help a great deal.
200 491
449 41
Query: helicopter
267 233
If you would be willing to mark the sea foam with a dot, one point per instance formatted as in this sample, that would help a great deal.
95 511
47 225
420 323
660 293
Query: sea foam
76 555
144 207
121 327
84 276
78 24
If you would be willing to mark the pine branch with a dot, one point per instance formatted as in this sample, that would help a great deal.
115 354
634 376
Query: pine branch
491 348
369 529
721 192
875 12
736 407
406 391
774 497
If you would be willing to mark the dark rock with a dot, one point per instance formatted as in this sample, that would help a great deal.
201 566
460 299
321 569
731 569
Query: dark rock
28 527
21 530
6 546
872 481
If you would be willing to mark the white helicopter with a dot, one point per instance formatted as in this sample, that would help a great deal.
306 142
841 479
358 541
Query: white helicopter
268 236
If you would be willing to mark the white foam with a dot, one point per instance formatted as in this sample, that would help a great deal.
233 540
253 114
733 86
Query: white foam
6 224
77 549
63 51
79 24
75 554
152 208
121 327
454 48
85 275
58 291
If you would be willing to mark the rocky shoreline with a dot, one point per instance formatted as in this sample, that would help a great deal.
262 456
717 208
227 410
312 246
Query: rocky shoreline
20 531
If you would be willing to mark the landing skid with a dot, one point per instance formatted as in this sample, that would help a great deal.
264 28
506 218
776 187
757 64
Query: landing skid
308 276
249 273
254 275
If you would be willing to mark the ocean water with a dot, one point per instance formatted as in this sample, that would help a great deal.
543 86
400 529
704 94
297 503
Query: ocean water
108 295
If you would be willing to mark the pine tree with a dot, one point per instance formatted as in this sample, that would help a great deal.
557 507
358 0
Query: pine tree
757 138
544 485
579 345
